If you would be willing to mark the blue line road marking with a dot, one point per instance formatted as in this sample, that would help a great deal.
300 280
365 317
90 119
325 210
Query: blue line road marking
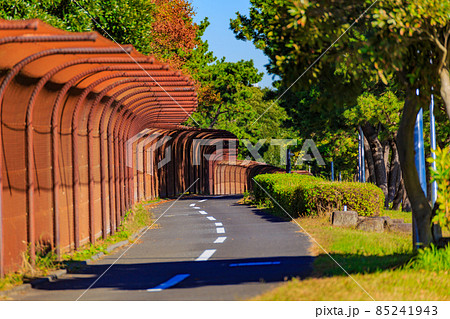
262 263
169 283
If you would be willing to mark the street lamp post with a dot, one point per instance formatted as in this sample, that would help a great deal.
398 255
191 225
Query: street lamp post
434 187
437 231
288 161
420 151
332 171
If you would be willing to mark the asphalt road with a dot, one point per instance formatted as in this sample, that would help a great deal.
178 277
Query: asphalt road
206 248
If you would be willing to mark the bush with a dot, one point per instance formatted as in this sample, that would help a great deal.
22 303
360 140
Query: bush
442 177
305 195
432 259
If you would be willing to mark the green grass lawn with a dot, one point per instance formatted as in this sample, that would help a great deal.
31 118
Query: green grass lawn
395 214
382 286
378 262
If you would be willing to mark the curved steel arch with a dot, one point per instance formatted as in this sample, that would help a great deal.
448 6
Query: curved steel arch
29 122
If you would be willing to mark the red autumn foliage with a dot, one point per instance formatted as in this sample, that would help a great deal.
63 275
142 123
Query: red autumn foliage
174 30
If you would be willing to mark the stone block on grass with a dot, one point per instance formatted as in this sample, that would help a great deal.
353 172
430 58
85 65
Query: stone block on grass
391 221
375 224
401 227
347 219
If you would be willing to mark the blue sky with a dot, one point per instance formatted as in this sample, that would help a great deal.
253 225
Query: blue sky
221 39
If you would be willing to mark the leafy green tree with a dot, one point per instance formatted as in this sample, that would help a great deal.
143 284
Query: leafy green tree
295 36
349 47
229 82
335 140
406 36
378 116
229 98
442 177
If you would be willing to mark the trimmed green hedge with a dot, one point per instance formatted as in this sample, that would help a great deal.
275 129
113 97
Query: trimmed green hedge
303 195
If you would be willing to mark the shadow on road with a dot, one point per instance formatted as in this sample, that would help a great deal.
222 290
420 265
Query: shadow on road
137 276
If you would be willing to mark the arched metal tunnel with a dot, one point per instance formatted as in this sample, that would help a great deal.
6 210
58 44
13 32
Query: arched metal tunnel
85 126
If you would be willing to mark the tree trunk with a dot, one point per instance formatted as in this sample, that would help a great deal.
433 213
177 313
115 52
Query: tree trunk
394 173
386 153
421 209
216 117
397 201
445 88
406 204
370 172
378 158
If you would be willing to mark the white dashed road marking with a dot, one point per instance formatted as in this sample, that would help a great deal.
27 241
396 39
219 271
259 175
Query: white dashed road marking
169 283
210 217
192 205
219 224
220 230
203 200
202 212
206 255
219 240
